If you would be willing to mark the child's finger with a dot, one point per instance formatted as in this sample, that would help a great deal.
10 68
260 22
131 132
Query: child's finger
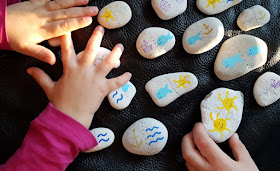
238 149
93 46
207 147
61 4
67 50
74 12
59 28
111 60
192 155
40 52
41 78
115 83
40 1
55 42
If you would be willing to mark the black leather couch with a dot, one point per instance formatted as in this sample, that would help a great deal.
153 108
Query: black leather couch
22 100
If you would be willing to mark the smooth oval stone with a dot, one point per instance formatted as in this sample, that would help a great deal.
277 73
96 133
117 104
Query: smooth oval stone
203 35
240 55
101 55
168 9
146 136
104 136
166 88
121 97
221 113
114 15
154 42
253 17
267 89
211 7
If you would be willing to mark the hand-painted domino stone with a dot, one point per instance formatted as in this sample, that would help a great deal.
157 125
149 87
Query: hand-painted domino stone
253 17
240 55
154 42
104 136
267 89
114 15
211 7
146 136
164 89
121 97
221 113
203 35
168 9
101 55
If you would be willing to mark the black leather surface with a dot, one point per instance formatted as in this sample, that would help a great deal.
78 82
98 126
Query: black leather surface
21 99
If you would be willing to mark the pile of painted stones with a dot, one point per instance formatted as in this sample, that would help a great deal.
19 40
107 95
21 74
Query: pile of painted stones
222 109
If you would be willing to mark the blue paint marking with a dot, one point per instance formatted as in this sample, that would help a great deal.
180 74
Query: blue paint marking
115 94
192 40
162 92
158 139
154 134
102 135
103 140
162 40
149 129
120 99
125 87
254 51
229 0
231 61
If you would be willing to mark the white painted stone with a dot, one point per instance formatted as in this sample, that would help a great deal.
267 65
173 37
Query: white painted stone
168 9
221 113
267 89
154 42
240 55
211 7
203 35
101 55
121 97
253 17
146 136
104 136
115 15
164 89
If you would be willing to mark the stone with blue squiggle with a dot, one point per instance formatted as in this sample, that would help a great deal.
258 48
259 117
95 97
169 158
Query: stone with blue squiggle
104 137
146 136
122 97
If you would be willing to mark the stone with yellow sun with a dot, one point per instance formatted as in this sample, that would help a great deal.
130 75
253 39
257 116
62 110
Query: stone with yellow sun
221 113
211 7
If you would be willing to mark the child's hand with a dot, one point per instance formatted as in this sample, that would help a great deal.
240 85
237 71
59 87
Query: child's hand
32 22
209 157
82 87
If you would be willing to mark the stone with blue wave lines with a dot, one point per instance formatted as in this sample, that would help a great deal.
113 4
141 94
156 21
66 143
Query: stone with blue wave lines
203 35
164 89
239 55
104 136
154 42
146 137
122 97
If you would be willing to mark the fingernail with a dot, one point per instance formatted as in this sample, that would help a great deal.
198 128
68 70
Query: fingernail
87 19
129 74
93 9
236 135
84 1
29 71
120 46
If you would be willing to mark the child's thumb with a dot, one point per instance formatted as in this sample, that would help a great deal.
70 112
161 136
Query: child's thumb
238 148
40 52
41 78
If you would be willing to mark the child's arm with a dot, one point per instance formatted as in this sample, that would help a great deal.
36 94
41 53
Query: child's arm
32 22
60 132
209 157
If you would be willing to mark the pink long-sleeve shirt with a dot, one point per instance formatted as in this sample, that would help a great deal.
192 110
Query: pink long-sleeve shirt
54 139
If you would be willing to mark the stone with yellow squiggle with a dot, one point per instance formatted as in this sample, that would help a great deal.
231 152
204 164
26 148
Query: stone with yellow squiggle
219 125
228 103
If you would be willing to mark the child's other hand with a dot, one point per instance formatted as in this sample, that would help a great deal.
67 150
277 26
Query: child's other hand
209 157
32 22
82 87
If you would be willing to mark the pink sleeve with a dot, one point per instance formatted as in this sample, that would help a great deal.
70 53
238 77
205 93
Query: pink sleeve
52 142
4 41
